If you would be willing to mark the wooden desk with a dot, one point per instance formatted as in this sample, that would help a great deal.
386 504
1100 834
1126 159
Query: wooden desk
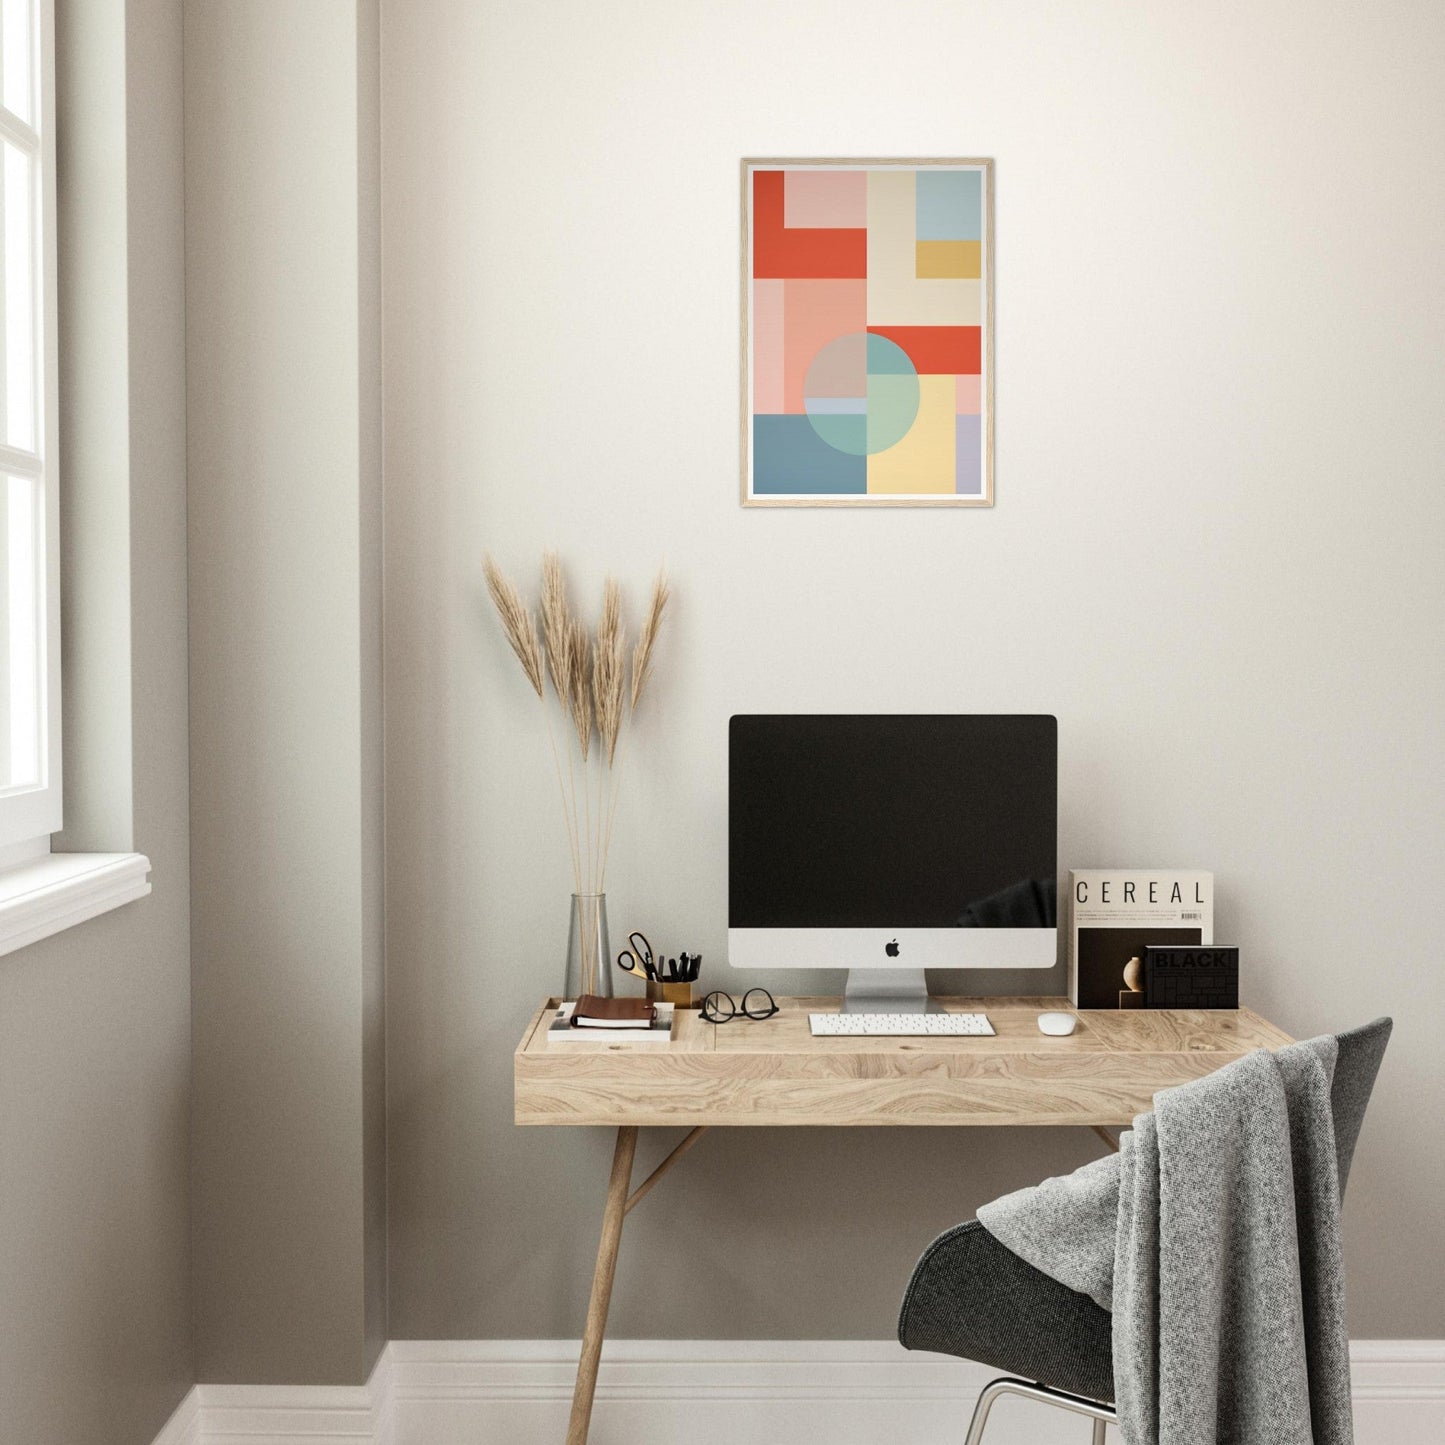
773 1072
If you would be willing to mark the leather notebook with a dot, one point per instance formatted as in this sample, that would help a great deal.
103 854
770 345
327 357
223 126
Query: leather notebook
593 1012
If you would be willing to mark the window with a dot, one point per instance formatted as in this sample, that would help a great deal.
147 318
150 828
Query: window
30 803
41 893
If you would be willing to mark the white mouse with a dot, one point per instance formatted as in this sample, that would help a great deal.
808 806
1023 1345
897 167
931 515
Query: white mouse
1057 1024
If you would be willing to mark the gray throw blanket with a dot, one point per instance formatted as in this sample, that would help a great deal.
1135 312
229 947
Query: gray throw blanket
1214 1237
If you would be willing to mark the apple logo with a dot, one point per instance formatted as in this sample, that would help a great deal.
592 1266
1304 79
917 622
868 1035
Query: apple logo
891 949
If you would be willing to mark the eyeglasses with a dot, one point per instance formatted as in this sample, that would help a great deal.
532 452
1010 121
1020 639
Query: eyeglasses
720 1008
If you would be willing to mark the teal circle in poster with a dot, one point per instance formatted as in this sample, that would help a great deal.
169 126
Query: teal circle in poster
861 393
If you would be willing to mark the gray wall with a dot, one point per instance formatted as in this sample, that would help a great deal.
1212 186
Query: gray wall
1215 556
370 691
95 1337
282 319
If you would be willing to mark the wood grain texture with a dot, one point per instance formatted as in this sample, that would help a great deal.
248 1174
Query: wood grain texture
601 1298
775 1073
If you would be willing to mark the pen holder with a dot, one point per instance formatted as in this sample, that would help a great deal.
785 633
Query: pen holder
679 994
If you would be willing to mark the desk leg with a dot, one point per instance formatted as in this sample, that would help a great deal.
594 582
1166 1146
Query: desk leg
612 1215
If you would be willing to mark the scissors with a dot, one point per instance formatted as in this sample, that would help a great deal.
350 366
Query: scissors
637 958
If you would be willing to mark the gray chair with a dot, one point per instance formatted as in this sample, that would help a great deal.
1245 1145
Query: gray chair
972 1297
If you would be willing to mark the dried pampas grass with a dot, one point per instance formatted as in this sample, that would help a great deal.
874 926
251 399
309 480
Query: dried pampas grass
609 668
647 638
589 679
556 623
517 622
579 685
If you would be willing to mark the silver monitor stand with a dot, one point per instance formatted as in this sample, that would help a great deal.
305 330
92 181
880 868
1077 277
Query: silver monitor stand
887 991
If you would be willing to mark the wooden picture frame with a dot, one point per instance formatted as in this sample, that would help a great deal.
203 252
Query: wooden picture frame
867 321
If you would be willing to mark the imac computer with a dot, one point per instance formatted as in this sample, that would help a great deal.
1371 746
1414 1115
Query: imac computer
887 844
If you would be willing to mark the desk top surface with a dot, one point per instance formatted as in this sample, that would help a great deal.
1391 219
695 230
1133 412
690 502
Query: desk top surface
773 1072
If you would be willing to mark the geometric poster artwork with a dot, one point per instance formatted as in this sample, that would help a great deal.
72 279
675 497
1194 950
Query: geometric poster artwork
867 333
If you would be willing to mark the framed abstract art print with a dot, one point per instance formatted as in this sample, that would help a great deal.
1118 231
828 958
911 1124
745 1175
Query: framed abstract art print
867 340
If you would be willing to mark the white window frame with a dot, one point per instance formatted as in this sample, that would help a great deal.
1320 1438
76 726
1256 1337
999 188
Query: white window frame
42 892
30 814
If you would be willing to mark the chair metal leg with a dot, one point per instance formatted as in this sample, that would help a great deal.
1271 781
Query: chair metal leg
1100 1413
989 1394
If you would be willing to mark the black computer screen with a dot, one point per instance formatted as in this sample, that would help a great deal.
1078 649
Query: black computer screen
920 821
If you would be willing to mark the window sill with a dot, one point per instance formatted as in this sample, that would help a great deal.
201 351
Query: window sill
59 890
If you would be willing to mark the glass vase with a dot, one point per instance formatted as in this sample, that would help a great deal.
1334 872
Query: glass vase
589 955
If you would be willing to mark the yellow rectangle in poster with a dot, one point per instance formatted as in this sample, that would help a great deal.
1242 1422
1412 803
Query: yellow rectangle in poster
923 462
948 260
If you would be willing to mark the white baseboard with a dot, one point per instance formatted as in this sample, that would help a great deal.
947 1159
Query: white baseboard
714 1392
184 1426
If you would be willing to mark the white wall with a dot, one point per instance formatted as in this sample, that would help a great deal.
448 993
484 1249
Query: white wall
1215 555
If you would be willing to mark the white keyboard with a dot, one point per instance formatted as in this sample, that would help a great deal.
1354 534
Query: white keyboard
900 1025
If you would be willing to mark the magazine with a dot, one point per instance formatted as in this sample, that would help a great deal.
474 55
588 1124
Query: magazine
1115 912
